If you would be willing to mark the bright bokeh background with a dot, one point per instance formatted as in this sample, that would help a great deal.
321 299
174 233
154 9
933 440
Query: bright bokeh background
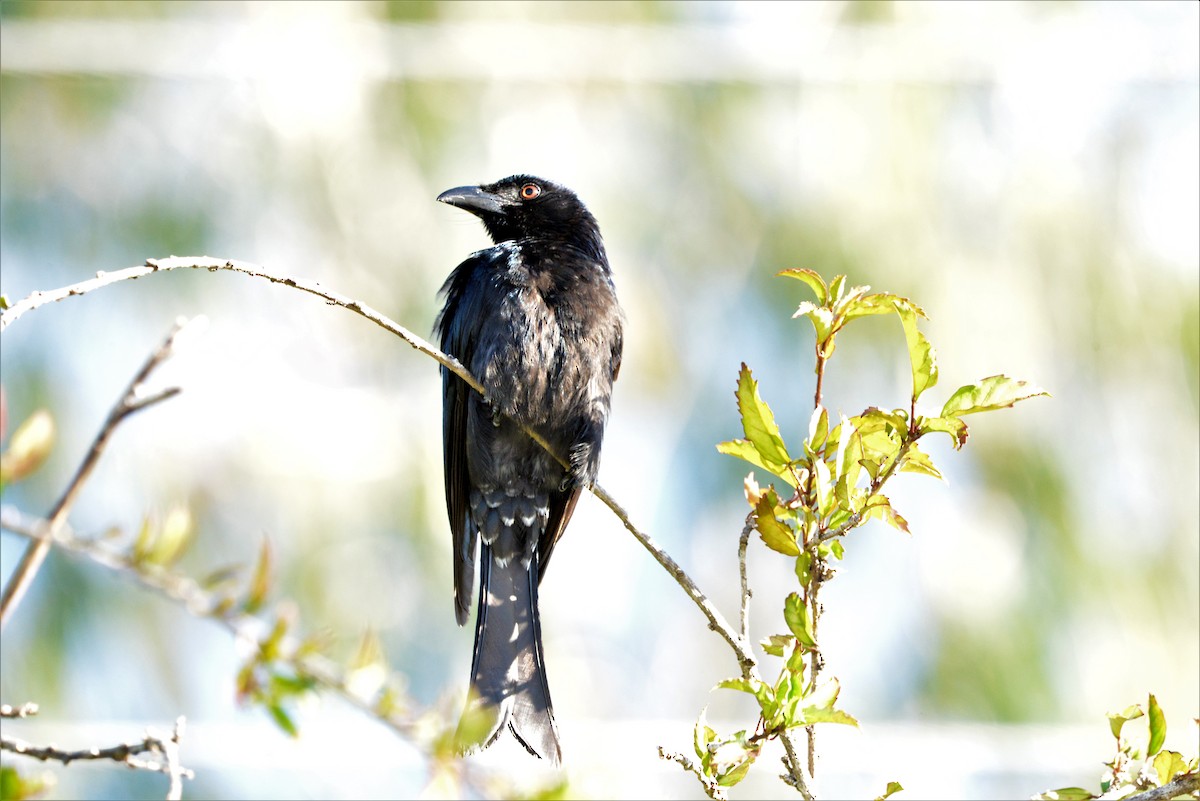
1027 172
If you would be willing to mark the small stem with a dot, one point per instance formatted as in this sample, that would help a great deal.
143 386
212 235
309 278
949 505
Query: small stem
129 403
743 543
820 377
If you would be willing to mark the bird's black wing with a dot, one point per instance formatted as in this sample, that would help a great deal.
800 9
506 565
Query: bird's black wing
465 298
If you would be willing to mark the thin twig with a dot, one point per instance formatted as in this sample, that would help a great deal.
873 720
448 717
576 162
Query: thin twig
795 771
126 753
743 544
133 400
716 620
22 711
188 593
711 788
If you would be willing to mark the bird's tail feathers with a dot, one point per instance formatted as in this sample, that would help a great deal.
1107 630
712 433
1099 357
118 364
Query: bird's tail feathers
508 674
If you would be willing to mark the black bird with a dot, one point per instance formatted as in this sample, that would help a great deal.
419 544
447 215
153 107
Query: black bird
535 318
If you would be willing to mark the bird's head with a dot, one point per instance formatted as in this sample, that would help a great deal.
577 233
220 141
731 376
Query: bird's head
523 207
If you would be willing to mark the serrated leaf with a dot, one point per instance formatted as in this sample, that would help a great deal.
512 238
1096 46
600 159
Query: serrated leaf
1065 794
956 428
831 549
920 352
775 535
822 320
892 788
815 282
776 643
880 508
1168 765
738 683
1158 727
796 613
821 709
745 450
876 303
758 422
28 448
1116 720
989 394
917 461
837 288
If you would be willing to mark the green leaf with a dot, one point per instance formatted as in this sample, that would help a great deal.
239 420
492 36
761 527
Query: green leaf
1118 719
260 582
821 709
993 392
703 734
803 567
831 549
837 287
739 684
1168 765
796 613
15 787
731 760
822 320
776 643
956 428
917 461
776 535
758 421
28 448
1158 727
283 720
920 352
1065 794
880 508
824 487
892 788
818 429
746 451
876 303
172 538
815 282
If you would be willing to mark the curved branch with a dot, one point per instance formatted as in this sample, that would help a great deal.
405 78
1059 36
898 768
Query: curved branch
716 620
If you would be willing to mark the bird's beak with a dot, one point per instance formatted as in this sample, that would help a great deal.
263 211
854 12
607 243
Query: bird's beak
472 199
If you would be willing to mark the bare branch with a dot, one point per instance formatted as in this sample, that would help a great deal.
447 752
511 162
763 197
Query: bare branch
133 400
795 770
167 748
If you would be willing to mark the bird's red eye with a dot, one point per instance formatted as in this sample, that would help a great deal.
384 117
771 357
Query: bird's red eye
530 191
